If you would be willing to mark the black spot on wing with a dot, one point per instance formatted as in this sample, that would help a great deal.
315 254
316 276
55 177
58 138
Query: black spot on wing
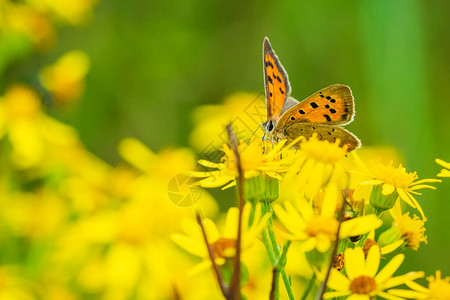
293 118
314 105
327 106
301 111
269 79
281 89
332 100
333 111
327 117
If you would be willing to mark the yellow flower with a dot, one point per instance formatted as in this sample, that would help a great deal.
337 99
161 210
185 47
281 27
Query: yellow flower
411 230
439 288
363 281
318 231
222 245
35 137
395 181
254 162
245 111
73 12
316 163
65 78
445 172
25 20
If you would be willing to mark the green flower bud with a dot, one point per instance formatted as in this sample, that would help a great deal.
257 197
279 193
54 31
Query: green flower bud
383 197
261 188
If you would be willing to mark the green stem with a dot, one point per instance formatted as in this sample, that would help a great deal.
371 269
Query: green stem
273 258
273 251
309 287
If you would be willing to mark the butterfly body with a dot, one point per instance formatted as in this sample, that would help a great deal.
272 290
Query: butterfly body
322 113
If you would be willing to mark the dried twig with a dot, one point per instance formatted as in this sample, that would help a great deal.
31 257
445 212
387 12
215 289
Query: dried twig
323 286
223 287
235 286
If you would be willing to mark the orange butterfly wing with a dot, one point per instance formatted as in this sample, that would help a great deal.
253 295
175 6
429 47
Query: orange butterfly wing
333 105
276 82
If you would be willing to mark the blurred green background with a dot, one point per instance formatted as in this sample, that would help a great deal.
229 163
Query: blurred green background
153 62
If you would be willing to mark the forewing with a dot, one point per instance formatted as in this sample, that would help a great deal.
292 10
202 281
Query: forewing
276 82
333 105
324 132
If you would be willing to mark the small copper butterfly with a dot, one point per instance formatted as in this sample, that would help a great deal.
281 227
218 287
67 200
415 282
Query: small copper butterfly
322 113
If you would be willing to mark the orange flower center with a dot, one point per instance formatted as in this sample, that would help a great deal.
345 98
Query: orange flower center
367 244
363 285
220 246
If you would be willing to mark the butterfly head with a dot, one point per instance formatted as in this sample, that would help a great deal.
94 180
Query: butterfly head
268 126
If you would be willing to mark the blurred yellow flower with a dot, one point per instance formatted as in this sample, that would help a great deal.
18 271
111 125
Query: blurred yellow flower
445 172
318 231
222 245
73 12
316 163
65 78
245 112
438 289
363 281
33 135
25 20
395 181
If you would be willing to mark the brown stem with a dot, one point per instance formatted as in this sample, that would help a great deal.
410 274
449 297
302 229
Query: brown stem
223 288
236 279
274 283
323 286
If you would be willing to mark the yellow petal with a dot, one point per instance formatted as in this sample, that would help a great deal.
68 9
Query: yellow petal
389 269
387 189
404 196
359 226
373 261
354 262
422 186
337 281
231 223
330 295
395 281
417 287
329 200
388 296
442 163
358 297
392 247
396 211
408 294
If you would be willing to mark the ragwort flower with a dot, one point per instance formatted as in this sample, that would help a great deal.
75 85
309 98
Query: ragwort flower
394 182
315 164
222 245
318 231
363 281
254 162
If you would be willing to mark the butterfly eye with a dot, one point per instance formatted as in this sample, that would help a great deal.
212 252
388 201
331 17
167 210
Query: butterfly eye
269 126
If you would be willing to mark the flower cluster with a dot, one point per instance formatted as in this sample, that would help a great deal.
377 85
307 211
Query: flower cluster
337 213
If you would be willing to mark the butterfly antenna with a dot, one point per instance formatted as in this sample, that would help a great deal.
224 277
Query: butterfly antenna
253 134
